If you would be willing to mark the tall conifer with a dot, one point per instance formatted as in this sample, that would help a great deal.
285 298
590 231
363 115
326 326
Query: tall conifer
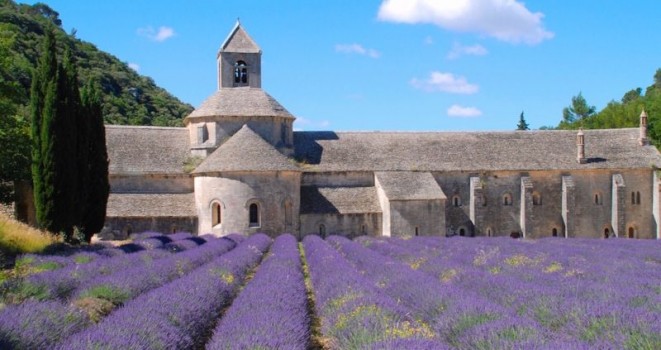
99 187
43 76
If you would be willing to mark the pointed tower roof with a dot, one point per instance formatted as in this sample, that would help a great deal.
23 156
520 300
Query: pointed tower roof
239 41
245 151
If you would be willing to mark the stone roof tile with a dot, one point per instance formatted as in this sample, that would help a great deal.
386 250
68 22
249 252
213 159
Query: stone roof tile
239 41
147 149
471 151
151 205
407 185
339 200
245 151
239 102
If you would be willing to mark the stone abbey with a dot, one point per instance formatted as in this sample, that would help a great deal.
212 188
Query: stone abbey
238 166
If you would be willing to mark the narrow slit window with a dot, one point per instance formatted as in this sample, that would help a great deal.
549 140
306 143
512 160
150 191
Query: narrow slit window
253 215
216 214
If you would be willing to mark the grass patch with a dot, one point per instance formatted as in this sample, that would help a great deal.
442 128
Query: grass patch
116 296
317 340
17 237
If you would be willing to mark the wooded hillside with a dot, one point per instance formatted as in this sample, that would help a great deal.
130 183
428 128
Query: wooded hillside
128 97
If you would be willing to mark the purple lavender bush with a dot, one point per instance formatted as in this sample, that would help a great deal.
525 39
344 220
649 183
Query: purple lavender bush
36 325
271 311
180 314
353 313
149 274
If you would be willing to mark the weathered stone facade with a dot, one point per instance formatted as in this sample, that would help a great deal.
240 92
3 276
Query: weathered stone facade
238 166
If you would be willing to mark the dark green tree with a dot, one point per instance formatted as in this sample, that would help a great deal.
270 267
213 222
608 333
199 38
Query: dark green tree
578 111
632 95
43 81
56 174
99 187
522 123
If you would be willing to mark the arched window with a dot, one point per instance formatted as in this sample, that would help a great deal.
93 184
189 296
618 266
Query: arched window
607 232
489 232
484 200
363 229
216 214
240 72
417 231
536 199
637 197
456 201
597 199
632 232
253 215
322 231
288 213
554 232
507 199
462 231
173 229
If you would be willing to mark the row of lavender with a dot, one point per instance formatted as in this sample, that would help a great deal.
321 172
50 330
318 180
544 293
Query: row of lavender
372 293
504 293
63 301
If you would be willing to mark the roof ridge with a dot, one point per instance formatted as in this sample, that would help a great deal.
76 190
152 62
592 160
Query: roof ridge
246 150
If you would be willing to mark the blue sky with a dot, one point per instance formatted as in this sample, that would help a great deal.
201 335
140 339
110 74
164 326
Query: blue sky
423 65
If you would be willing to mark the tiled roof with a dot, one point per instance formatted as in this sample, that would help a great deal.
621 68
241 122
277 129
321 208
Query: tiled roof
339 200
239 41
471 151
245 151
147 149
407 185
151 205
239 102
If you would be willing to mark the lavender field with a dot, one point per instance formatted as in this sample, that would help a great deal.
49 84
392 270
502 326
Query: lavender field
184 292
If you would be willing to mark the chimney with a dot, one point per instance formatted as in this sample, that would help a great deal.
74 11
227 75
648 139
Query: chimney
643 140
580 146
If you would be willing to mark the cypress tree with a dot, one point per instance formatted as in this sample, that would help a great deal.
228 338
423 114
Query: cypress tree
65 140
42 78
55 106
99 187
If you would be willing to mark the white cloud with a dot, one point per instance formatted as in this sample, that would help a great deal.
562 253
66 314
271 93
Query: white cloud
134 66
445 82
506 20
463 112
429 40
357 49
459 50
163 33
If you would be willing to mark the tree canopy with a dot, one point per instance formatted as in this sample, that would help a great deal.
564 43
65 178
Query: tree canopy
125 96
624 113
522 125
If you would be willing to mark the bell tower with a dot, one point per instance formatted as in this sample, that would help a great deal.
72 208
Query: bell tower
239 61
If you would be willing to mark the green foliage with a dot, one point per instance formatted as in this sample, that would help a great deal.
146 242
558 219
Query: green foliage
622 114
578 111
98 186
125 96
522 123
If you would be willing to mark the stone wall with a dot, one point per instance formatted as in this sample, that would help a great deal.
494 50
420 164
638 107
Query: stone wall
157 183
339 179
417 218
121 228
236 191
349 225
